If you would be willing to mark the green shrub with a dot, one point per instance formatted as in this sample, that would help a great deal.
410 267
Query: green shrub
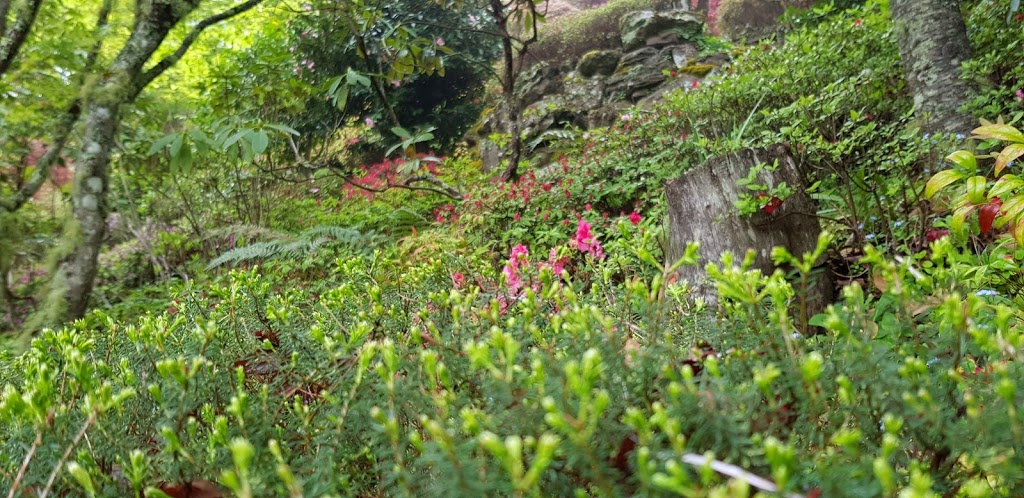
428 378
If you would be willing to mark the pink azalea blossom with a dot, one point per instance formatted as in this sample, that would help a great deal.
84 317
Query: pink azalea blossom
369 122
439 42
634 217
585 241
1020 95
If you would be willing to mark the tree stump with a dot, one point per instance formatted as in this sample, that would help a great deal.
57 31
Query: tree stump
701 208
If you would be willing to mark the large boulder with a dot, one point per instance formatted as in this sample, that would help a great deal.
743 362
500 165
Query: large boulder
701 209
752 19
598 62
638 75
537 82
647 28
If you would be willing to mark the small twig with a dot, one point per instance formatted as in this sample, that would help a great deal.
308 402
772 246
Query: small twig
67 453
730 470
24 464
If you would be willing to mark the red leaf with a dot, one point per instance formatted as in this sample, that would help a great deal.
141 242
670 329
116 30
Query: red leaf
194 489
987 215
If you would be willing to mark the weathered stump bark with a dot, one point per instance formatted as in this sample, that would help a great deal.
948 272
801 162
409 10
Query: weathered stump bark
701 209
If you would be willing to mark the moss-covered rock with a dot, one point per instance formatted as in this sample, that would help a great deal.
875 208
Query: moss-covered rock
698 70
647 28
752 18
598 62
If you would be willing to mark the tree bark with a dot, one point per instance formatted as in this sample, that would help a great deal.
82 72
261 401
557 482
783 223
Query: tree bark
933 43
11 40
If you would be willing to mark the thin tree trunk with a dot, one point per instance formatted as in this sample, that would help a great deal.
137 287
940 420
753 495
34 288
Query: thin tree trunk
933 43
508 88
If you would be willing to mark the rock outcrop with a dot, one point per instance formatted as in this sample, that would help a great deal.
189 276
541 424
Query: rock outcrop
659 53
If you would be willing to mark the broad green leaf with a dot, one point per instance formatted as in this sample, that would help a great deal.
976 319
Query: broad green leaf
964 159
999 131
976 189
259 140
956 223
1013 207
176 144
401 132
1010 153
182 161
1008 183
284 129
1018 233
235 138
941 180
160 144
340 97
335 83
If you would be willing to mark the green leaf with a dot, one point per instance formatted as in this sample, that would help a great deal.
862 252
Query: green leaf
160 144
999 131
284 129
176 144
259 140
401 132
1006 184
340 97
1010 153
976 189
235 138
182 162
964 159
941 180
1013 207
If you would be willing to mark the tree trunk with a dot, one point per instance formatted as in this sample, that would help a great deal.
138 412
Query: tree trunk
77 271
72 284
933 43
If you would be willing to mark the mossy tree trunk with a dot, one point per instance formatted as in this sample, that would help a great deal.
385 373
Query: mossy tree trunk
115 86
933 43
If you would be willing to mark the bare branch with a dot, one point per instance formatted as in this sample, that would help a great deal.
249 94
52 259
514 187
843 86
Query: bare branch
12 40
147 77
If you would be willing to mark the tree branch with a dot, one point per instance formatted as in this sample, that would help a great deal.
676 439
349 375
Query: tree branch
12 40
5 7
64 127
42 172
147 77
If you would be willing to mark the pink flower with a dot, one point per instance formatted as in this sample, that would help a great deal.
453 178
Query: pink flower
369 122
634 217
511 269
586 241
459 280
439 42
516 217
1020 95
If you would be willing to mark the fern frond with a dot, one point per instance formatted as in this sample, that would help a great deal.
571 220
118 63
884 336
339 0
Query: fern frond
561 135
303 244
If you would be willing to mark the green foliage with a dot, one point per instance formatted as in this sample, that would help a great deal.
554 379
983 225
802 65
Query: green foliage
999 199
301 245
997 66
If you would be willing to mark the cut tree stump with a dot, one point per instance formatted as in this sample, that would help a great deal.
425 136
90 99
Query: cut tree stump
701 208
